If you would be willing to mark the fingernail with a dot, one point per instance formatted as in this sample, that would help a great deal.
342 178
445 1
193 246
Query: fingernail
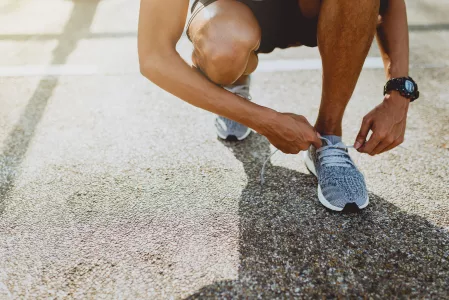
357 145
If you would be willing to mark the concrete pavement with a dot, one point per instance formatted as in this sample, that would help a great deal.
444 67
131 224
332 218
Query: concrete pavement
112 189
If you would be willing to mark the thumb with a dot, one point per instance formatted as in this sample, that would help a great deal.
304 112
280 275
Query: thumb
317 143
363 133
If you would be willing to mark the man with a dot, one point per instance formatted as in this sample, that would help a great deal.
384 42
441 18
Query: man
227 35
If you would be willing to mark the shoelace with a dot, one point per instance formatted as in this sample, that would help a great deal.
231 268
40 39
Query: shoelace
262 172
335 155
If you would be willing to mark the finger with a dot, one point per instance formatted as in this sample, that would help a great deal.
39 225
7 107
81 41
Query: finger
386 142
295 149
363 133
396 143
304 147
316 142
372 143
399 140
286 150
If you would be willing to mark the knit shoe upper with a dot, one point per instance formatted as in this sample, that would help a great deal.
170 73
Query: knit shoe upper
339 181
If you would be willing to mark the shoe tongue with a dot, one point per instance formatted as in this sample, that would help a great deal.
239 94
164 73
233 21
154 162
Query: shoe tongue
332 138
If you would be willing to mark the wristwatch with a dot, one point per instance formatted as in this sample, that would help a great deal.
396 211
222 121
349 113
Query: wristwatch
406 86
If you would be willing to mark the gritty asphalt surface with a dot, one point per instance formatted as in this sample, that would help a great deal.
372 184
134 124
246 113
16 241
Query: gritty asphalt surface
113 189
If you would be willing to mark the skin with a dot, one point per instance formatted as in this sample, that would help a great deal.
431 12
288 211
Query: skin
226 35
343 46
387 121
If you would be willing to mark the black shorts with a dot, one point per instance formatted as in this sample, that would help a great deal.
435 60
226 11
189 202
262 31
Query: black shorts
281 22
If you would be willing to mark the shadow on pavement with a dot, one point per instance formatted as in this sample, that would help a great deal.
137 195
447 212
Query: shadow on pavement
18 140
290 246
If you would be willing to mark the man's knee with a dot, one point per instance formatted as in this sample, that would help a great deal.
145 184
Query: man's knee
224 51
225 62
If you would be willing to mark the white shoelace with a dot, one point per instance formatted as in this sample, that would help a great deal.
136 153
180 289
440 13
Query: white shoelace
262 172
335 155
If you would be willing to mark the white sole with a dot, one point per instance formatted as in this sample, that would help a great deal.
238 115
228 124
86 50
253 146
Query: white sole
240 139
311 166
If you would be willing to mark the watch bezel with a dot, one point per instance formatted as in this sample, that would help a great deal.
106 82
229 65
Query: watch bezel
400 85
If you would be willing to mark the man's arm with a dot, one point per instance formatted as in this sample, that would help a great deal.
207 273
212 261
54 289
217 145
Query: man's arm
160 26
393 40
161 23
388 120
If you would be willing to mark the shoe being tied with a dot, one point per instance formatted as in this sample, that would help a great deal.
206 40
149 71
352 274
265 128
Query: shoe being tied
341 186
228 129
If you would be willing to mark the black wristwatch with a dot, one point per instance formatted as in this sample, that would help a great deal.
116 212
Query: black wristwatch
406 86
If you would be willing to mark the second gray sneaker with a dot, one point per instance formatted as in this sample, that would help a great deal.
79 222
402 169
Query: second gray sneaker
228 129
340 183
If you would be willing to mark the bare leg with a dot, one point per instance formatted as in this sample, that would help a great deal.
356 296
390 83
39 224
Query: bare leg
346 30
225 35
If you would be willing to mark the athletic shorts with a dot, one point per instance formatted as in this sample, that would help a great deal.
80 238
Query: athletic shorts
281 22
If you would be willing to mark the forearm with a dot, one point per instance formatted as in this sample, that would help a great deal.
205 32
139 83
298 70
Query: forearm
170 72
393 40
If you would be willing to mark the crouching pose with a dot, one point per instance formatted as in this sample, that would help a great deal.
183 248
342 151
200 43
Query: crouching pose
227 36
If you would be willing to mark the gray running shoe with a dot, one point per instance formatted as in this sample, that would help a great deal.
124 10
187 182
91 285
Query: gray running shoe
228 129
340 183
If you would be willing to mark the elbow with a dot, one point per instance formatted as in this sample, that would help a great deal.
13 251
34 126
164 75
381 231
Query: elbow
152 66
153 63
154 57
147 67
148 58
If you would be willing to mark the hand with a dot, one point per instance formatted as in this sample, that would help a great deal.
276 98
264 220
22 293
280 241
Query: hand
291 133
387 122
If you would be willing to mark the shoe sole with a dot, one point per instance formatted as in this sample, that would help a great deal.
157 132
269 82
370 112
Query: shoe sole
233 137
311 167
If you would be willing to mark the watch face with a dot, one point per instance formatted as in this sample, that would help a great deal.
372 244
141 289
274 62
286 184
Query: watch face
409 86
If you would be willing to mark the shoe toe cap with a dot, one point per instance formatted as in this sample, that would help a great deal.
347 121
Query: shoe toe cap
343 190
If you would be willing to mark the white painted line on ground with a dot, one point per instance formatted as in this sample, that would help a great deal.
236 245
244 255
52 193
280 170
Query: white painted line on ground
53 70
266 66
